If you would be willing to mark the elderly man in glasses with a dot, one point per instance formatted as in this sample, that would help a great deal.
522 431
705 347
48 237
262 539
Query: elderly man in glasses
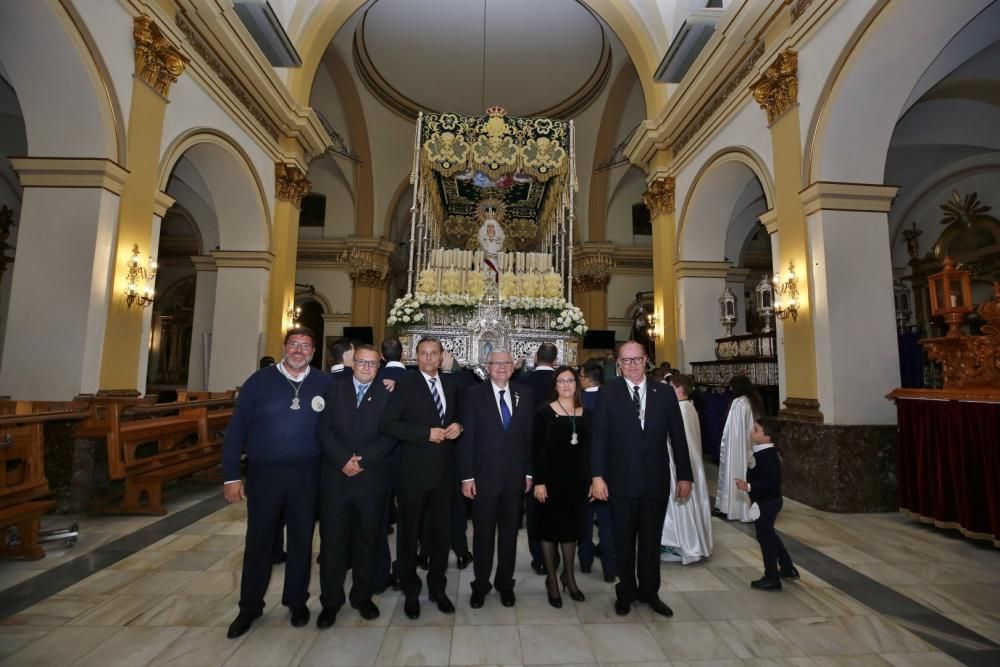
275 423
634 423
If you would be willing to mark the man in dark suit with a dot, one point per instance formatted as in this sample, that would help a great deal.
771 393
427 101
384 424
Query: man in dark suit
355 484
634 423
341 353
392 355
591 379
540 380
495 464
421 415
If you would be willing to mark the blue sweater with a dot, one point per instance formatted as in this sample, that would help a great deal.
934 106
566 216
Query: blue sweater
266 428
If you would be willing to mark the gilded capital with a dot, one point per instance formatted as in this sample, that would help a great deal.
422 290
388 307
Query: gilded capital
290 183
659 197
157 62
778 89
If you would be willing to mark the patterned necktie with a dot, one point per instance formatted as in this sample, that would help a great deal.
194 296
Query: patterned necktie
437 398
504 410
362 388
637 402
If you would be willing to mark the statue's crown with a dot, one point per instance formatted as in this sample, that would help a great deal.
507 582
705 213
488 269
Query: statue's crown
496 111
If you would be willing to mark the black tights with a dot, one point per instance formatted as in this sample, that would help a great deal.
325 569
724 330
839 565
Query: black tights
568 558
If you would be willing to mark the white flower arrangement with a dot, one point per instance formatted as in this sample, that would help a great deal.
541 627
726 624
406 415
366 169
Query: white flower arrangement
405 311
570 319
533 303
442 300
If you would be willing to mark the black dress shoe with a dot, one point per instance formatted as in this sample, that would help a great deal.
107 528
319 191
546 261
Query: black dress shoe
279 558
540 569
507 598
239 627
790 574
463 560
622 607
660 607
327 617
412 609
423 562
367 609
766 584
443 603
300 616
610 578
585 567
477 599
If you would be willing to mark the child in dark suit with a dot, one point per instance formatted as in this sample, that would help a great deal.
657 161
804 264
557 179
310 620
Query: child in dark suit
763 483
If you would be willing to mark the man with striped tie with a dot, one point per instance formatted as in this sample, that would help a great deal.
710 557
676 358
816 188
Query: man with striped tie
421 415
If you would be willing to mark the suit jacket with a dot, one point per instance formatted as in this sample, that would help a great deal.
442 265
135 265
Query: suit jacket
588 399
393 373
409 417
540 380
765 476
346 429
634 461
497 459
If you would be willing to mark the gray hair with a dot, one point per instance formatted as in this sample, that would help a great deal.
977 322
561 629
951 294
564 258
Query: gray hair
501 350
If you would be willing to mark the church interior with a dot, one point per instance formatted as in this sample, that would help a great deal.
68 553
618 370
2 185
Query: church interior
802 192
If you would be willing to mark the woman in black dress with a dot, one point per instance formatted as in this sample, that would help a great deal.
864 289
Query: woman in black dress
561 477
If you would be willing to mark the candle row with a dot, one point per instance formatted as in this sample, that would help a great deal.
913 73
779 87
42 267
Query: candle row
454 258
525 262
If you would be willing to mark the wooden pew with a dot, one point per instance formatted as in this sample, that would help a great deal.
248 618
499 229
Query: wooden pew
149 444
23 485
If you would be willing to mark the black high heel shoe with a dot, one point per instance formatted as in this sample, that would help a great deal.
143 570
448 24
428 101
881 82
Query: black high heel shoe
554 600
574 592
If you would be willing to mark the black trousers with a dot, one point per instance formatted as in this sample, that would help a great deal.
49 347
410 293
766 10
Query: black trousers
432 506
638 525
275 493
771 547
494 526
459 524
350 527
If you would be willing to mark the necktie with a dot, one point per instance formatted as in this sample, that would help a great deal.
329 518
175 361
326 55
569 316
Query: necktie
362 388
504 410
437 398
637 401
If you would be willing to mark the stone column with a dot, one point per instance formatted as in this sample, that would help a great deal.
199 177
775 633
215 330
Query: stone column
60 287
157 66
659 199
699 284
201 325
240 314
367 264
291 186
776 92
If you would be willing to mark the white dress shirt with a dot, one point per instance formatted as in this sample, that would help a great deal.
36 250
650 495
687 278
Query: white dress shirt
642 397
395 364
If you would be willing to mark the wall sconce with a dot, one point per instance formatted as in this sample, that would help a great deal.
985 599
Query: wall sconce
292 314
789 306
651 327
135 292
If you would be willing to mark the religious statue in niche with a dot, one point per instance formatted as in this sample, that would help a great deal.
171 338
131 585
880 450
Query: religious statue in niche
491 236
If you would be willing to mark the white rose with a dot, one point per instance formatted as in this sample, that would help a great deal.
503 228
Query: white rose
418 317
406 319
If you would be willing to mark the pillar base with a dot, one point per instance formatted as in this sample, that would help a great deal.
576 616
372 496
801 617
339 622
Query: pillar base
801 409
838 468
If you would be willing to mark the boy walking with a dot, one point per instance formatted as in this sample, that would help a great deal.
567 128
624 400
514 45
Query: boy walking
763 483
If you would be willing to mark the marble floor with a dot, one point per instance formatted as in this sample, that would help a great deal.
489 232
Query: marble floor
876 590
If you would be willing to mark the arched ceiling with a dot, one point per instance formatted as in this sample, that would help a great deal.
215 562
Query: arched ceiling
536 58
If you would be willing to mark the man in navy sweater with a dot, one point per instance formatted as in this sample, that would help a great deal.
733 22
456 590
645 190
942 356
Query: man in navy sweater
275 423
763 483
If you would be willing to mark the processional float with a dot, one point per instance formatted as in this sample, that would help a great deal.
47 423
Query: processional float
491 229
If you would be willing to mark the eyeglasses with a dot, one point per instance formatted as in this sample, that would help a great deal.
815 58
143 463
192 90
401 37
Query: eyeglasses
365 363
628 361
565 381
502 364
293 345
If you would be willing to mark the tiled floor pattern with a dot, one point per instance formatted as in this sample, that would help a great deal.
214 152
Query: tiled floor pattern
169 604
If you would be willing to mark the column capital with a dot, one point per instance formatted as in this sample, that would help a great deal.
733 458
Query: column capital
777 89
659 196
701 269
243 259
161 202
836 196
770 221
70 172
157 62
204 263
290 184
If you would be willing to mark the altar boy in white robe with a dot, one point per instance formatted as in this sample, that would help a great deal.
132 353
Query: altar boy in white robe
687 527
